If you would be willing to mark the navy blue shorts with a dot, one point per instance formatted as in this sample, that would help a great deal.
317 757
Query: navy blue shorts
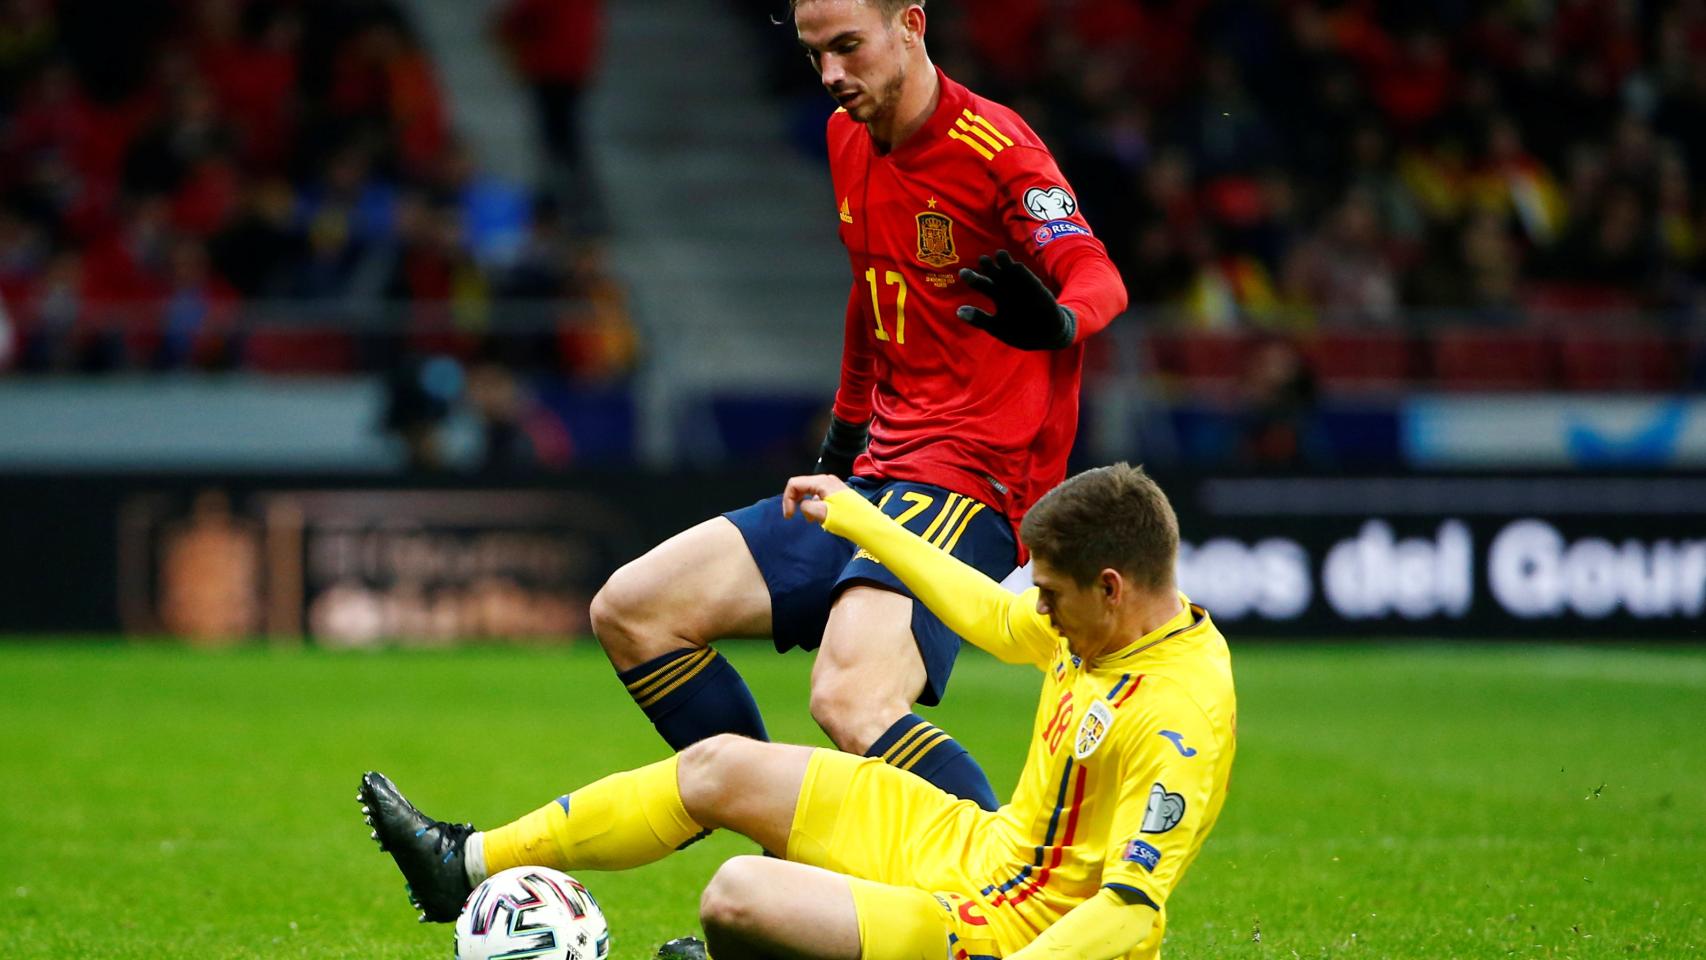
806 568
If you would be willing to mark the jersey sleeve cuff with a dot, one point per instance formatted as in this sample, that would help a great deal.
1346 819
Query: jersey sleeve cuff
1132 894
844 511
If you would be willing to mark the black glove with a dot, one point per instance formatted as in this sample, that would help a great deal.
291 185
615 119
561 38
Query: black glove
841 446
1026 314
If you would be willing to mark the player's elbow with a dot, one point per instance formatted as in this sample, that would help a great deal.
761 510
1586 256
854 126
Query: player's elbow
1115 297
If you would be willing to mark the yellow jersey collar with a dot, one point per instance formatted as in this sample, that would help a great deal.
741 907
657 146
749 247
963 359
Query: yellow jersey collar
1185 620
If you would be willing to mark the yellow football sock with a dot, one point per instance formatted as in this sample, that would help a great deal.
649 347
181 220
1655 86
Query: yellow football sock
625 820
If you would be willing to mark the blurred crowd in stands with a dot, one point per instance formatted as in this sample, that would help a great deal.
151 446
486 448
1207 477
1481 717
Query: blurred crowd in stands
1283 163
170 169
1506 195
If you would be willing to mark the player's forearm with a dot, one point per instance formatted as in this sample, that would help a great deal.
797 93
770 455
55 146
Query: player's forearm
971 604
1090 287
1100 928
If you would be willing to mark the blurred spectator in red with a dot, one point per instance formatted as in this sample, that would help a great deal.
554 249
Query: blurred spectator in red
125 264
383 80
67 150
186 156
554 46
253 72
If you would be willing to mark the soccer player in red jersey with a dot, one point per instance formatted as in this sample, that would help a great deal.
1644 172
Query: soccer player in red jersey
975 279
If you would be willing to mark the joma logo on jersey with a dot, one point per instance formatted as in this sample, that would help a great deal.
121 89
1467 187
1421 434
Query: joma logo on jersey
936 240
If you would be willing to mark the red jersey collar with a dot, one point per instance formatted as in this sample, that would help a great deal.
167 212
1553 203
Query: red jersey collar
951 100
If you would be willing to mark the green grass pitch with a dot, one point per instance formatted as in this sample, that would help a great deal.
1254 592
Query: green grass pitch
1388 801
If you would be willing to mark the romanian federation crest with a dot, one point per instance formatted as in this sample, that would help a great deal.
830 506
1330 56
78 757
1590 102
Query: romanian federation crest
1093 729
936 240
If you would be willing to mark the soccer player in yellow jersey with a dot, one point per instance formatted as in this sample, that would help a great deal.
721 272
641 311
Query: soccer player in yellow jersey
1130 752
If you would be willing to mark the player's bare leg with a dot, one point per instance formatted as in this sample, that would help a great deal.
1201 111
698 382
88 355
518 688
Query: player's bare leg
868 672
695 587
756 908
656 616
867 675
748 786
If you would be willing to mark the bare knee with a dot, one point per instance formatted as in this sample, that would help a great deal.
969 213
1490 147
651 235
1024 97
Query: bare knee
618 615
707 772
696 586
729 905
849 711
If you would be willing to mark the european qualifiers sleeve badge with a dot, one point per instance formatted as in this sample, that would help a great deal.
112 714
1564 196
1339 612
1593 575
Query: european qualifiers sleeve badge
1164 812
1054 206
936 240
1054 203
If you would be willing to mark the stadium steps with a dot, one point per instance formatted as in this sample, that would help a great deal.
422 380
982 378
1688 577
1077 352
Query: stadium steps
724 234
487 109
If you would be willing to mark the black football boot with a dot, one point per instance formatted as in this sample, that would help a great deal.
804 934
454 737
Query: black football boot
683 948
428 851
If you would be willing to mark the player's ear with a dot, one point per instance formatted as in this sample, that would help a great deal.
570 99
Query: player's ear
912 22
1112 584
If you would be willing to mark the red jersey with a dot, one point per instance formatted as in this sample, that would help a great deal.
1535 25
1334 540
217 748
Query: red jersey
950 405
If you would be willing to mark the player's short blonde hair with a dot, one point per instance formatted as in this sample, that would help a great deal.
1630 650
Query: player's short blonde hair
889 8
1112 517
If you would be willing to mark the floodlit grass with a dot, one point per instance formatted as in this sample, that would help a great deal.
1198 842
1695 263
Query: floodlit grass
1388 801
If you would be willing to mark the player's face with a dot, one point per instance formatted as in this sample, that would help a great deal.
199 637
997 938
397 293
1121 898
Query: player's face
858 53
1081 613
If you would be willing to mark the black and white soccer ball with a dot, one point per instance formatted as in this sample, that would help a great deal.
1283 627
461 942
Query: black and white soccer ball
531 912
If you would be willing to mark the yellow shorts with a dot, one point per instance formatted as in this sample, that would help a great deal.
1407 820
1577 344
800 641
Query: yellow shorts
864 818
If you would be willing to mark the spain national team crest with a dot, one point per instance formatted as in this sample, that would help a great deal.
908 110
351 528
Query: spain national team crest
1093 729
936 240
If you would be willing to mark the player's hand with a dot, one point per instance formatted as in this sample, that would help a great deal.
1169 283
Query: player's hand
841 446
1026 314
805 495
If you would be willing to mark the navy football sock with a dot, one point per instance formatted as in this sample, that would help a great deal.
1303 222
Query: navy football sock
692 694
912 744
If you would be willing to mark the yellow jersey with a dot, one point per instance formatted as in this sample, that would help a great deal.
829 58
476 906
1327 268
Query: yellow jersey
1130 754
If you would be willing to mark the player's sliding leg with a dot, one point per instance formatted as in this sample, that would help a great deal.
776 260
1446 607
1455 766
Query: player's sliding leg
634 818
868 674
756 907
623 820
656 616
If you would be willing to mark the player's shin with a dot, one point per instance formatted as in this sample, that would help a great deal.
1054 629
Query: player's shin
692 695
624 820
